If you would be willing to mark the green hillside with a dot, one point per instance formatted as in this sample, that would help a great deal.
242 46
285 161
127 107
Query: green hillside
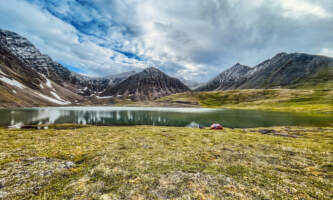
302 100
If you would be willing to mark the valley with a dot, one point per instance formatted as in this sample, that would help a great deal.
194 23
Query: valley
145 134
286 82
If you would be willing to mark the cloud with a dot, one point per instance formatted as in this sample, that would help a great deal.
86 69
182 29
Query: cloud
303 8
62 40
190 39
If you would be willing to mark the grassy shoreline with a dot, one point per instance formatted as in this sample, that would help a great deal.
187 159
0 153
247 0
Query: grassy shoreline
286 100
147 162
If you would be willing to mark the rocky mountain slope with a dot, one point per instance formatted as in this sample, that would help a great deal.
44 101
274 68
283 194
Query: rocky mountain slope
283 70
25 51
226 79
22 85
30 78
149 84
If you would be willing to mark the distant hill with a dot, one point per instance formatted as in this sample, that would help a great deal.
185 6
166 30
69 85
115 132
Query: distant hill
149 84
296 70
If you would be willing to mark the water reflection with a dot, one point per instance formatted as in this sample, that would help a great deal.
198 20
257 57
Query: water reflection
158 116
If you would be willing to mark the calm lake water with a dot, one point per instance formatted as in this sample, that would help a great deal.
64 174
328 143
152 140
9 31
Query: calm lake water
159 116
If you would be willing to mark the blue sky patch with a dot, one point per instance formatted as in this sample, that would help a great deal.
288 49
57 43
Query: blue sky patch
129 55
72 68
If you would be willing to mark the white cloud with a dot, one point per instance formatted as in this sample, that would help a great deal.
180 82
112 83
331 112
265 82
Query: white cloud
326 52
60 40
303 8
194 39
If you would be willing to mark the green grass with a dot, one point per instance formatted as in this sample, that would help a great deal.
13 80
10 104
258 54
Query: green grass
7 98
146 162
323 79
300 100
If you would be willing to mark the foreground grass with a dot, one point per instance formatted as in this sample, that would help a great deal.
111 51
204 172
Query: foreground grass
301 100
145 162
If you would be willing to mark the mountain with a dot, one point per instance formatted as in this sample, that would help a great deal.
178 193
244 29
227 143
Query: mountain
21 84
95 85
149 84
25 51
227 79
283 70
38 70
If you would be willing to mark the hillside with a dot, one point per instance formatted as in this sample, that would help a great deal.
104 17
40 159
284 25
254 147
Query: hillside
296 70
299 100
149 84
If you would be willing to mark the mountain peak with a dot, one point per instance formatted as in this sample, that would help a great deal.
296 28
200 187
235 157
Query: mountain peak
238 65
149 84
281 54
152 70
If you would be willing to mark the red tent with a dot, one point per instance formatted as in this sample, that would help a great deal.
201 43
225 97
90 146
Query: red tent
216 127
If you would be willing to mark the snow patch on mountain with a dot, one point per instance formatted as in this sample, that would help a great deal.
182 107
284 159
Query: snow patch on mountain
106 97
12 82
1 72
57 96
50 99
48 83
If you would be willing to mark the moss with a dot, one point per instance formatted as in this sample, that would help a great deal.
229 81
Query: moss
164 162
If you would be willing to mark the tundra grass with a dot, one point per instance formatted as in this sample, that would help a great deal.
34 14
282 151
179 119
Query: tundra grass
148 162
299 100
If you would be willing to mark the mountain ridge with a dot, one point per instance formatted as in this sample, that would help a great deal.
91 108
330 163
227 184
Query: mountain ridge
30 78
283 70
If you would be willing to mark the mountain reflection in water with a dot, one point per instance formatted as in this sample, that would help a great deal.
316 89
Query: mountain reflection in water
159 116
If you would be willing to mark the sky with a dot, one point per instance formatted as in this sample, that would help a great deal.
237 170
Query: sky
191 39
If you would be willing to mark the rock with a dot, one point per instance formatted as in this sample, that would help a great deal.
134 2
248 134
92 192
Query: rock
2 183
266 131
3 195
276 133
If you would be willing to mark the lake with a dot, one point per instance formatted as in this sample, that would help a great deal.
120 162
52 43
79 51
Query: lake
159 116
